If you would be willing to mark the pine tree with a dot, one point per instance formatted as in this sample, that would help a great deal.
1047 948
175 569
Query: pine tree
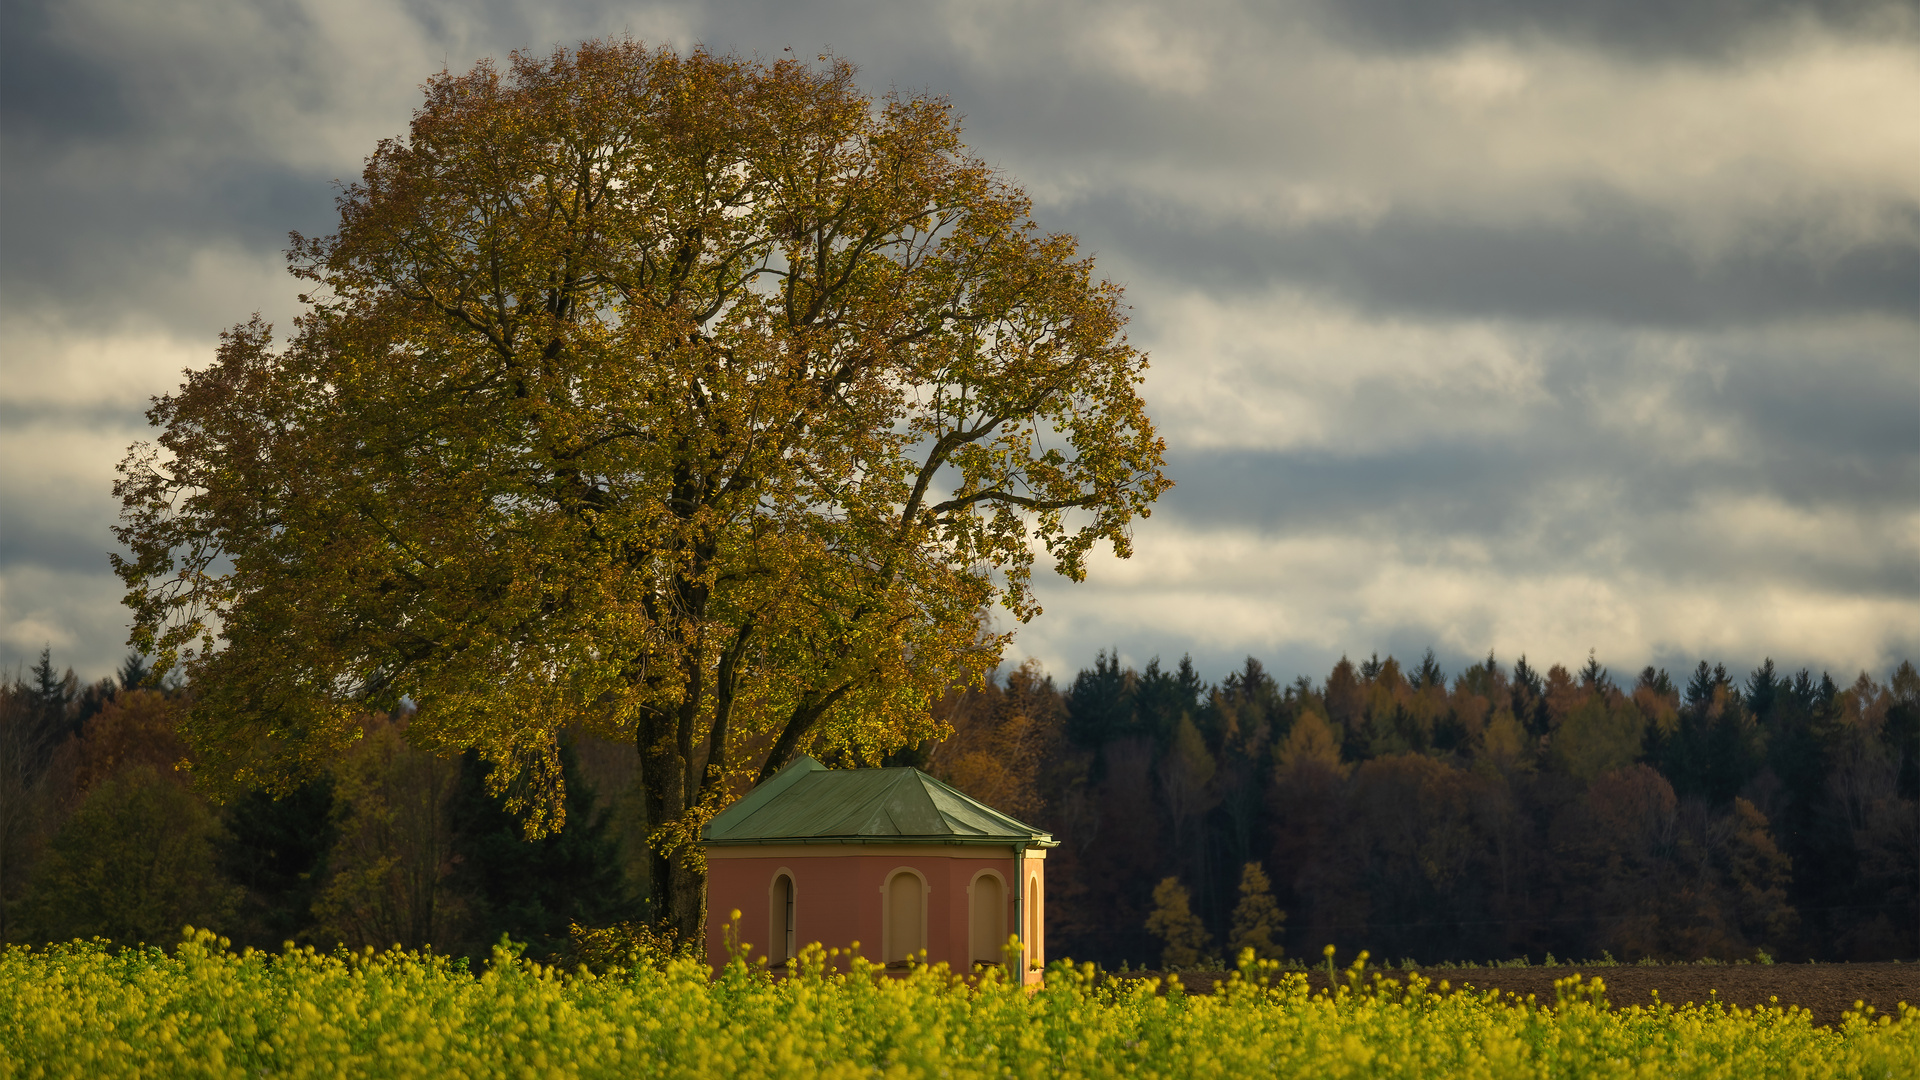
1174 922
1430 673
532 890
1102 705
53 695
276 849
134 671
1257 919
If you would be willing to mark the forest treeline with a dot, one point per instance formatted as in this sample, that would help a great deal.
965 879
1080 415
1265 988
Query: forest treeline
101 834
1489 813
1495 813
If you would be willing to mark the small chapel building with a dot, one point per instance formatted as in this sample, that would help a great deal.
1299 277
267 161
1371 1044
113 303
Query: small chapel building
889 858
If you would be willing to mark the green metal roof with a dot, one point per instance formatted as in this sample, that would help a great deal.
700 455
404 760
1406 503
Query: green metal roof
806 802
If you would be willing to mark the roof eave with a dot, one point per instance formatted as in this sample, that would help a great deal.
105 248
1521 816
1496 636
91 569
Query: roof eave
957 841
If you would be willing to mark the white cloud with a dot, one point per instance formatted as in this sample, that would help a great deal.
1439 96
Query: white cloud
1285 371
1230 592
1295 128
54 368
74 613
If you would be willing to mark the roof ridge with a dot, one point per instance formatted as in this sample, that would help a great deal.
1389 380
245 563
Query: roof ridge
926 799
871 809
790 774
998 814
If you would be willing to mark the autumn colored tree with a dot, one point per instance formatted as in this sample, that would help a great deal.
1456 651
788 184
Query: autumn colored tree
698 401
387 874
1257 919
1001 737
1184 936
134 863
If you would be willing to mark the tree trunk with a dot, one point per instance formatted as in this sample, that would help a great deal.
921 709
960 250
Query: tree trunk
679 898
677 892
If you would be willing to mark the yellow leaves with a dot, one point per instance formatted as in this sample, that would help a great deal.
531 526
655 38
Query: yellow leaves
697 400
1310 743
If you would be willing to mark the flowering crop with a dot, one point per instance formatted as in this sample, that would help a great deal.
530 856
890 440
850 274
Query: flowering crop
83 1009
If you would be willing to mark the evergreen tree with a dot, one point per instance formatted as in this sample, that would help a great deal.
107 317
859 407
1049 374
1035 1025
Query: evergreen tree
1174 923
1595 677
532 890
50 692
1257 919
276 850
52 697
1430 673
1164 697
1903 730
1716 750
1100 704
1762 688
1529 696
134 671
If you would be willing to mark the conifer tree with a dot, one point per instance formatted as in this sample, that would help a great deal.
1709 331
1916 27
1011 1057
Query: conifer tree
531 889
1257 918
1174 923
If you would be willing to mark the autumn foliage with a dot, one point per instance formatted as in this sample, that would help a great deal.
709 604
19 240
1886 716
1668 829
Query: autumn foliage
699 402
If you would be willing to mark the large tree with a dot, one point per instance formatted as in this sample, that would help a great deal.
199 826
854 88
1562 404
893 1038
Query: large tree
693 400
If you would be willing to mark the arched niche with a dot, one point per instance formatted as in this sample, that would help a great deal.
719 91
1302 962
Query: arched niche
1036 923
903 915
987 918
782 917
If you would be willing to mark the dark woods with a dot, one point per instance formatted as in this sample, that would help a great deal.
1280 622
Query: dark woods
1492 814
1485 814
101 835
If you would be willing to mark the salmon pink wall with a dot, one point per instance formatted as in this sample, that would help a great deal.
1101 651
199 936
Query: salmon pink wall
838 898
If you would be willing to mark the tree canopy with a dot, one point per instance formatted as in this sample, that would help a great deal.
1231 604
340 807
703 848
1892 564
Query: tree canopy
690 399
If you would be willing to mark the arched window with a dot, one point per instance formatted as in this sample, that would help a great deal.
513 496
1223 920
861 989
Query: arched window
987 918
780 940
1035 923
905 932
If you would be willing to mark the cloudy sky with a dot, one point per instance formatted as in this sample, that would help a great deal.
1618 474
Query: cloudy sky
1473 326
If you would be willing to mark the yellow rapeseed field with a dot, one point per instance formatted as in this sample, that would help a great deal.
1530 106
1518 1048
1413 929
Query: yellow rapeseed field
85 1009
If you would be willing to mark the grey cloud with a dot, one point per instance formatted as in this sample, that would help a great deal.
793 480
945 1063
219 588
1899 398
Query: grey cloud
126 157
57 514
51 90
1618 262
98 250
1537 508
70 77
40 539
112 181
1844 432
1638 27
1836 441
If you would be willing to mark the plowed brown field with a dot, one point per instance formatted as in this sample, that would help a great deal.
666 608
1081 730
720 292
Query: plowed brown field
1825 990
